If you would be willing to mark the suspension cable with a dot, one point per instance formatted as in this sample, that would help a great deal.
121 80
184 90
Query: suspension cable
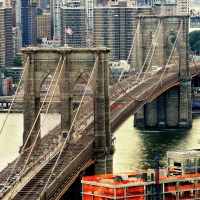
134 40
46 109
160 77
22 75
154 47
131 48
157 33
22 151
166 63
66 139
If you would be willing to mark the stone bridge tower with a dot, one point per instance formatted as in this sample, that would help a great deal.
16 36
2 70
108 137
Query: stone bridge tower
172 108
75 61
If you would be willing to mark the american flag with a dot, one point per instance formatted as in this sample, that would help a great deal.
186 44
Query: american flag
69 31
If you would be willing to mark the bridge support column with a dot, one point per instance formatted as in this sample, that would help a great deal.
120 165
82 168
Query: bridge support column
185 105
161 111
185 115
100 165
161 44
31 104
103 149
65 95
139 118
151 113
109 164
104 164
139 47
172 107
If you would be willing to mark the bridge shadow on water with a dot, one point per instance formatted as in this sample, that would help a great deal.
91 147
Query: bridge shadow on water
74 192
156 142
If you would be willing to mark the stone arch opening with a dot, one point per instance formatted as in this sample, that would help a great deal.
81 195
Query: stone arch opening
50 109
148 47
169 44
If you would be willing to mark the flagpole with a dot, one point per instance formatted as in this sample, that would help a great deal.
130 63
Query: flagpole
65 35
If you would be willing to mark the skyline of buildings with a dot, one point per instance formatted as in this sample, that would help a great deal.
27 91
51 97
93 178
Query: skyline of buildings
93 23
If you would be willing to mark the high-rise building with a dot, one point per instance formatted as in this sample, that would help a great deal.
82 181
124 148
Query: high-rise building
7 86
29 27
55 12
7 2
13 4
115 27
6 38
17 40
18 13
73 18
44 25
43 4
183 7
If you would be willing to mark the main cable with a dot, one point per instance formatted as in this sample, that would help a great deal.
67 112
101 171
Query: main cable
66 139
22 75
22 151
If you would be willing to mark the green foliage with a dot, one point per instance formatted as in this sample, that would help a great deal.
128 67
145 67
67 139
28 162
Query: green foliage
172 37
194 39
5 72
197 47
17 61
15 88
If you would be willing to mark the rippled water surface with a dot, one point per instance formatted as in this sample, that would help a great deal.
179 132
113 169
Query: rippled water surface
135 148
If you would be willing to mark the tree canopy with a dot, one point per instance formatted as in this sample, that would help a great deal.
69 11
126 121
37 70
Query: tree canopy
17 61
5 72
194 39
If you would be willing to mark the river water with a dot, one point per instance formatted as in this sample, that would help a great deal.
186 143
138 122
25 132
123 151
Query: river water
135 148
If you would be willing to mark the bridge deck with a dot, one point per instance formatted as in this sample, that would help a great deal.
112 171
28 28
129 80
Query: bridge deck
76 155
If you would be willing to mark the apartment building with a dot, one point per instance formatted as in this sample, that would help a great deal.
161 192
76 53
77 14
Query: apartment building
17 41
6 38
44 25
115 26
183 7
7 86
74 19
28 20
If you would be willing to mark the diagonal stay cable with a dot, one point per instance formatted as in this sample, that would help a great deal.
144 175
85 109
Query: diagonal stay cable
133 40
25 68
165 65
22 151
66 139
157 33
136 32
147 96
22 75
50 101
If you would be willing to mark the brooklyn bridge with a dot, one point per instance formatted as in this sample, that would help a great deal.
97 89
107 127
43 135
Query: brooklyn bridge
47 166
